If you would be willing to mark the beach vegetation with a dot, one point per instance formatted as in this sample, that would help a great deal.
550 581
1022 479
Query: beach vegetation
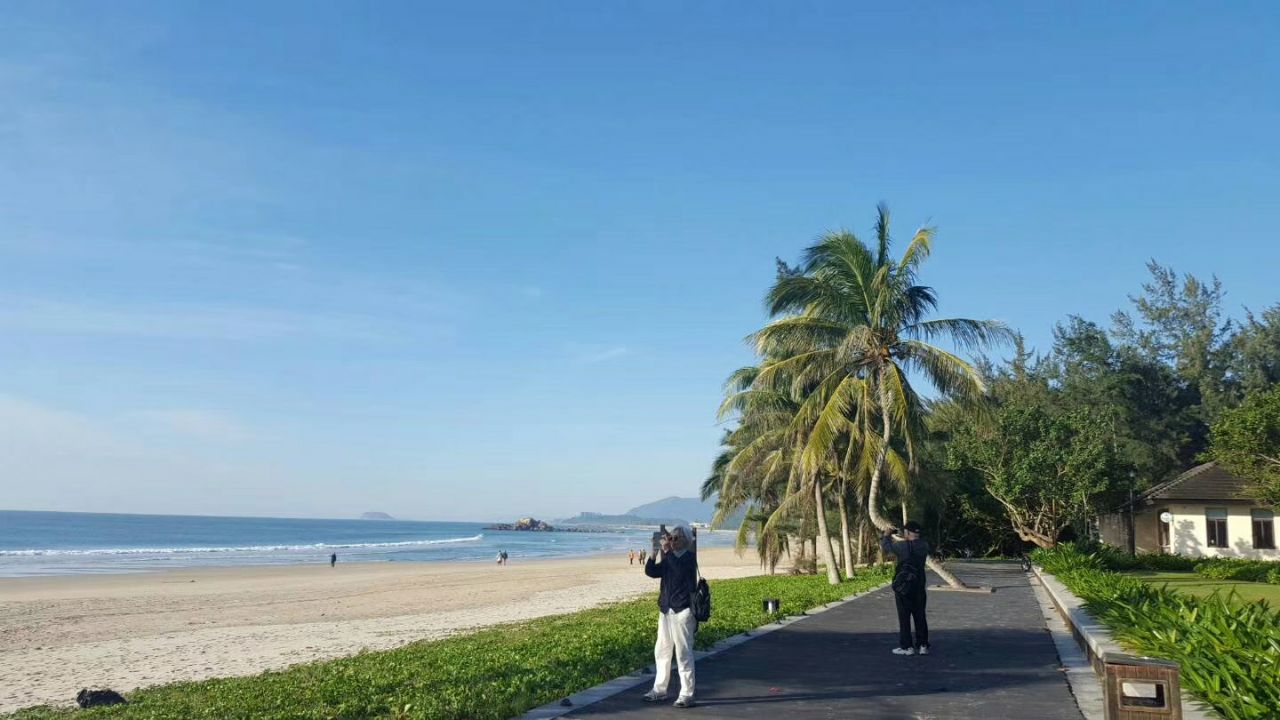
491 674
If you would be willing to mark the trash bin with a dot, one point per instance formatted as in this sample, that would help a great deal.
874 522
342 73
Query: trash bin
1140 688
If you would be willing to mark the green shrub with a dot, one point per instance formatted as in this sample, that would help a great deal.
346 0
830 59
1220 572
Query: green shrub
1229 650
1236 569
1165 563
492 674
1114 558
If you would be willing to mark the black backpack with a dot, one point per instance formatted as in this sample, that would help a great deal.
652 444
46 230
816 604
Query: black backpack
702 600
907 576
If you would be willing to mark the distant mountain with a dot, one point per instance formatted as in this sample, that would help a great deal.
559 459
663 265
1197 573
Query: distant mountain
376 516
667 511
594 518
688 509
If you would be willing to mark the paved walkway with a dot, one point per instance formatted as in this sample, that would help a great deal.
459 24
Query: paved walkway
993 659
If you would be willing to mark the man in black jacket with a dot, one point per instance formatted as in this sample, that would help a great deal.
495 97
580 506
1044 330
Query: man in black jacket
676 565
908 587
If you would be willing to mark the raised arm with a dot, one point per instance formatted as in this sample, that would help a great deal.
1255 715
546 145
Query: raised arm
651 567
887 544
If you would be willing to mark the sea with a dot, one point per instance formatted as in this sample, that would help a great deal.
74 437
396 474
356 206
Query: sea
65 543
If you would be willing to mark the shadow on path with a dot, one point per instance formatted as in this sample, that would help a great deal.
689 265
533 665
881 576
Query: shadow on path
992 659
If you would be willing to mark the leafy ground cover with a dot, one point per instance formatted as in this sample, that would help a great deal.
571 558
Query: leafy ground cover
495 673
1229 650
1200 586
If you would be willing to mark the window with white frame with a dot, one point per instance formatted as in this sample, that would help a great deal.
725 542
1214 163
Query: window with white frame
1264 529
1215 520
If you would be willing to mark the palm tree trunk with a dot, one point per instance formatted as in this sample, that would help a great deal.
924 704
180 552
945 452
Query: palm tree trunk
873 508
846 547
862 530
828 556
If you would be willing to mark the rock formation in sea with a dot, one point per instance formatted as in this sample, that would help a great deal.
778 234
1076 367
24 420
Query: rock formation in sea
525 524
376 516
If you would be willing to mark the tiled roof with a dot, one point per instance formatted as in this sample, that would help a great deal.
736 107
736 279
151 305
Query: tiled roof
1202 482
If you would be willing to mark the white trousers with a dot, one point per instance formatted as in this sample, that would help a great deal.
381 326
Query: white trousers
675 632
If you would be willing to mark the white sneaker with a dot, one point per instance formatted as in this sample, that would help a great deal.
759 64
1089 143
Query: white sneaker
924 650
904 651
652 696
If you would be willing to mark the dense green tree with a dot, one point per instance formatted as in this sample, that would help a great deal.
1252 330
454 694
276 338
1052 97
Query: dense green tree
1179 323
1151 413
1246 440
1257 351
1042 461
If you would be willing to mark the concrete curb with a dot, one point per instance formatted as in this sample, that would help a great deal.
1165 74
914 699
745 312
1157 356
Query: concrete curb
1084 683
1094 639
612 687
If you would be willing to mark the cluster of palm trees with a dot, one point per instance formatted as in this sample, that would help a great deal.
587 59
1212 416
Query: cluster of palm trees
829 417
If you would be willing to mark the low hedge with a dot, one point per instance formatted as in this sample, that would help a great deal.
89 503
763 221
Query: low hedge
1116 559
1239 569
492 674
1229 650
1262 571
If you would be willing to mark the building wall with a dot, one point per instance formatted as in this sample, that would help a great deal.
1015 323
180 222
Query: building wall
1189 532
1113 529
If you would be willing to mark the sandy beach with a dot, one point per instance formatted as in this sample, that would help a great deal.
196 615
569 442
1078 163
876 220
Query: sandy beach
59 634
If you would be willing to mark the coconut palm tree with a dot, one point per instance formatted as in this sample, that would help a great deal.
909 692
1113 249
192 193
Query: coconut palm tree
774 417
855 323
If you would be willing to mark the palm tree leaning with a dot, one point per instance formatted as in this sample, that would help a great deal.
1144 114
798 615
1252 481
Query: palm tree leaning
773 412
855 321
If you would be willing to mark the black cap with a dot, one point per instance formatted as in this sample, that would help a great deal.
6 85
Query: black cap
914 527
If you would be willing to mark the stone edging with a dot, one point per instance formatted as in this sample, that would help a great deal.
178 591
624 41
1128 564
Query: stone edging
612 687
1095 639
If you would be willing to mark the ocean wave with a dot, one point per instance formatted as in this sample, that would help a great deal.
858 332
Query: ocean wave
241 548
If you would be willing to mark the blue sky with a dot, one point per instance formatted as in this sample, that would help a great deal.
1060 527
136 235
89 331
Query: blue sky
471 261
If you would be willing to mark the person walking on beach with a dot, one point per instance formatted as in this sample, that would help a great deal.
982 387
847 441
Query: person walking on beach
631 557
908 587
676 566
333 559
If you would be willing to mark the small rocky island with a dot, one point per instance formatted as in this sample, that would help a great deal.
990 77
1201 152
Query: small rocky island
376 516
524 524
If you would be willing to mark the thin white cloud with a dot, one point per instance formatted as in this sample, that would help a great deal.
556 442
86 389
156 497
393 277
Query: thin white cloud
59 459
589 355
191 423
180 321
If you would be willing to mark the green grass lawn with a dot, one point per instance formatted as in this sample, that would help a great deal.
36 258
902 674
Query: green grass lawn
495 673
1200 586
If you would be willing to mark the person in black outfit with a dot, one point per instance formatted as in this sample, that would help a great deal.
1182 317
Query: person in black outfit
908 587
675 563
333 559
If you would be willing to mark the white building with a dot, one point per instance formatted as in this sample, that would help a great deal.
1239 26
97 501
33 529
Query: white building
1204 512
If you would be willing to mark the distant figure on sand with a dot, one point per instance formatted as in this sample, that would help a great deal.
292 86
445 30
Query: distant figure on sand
333 559
676 565
908 587
631 557
643 555
502 556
